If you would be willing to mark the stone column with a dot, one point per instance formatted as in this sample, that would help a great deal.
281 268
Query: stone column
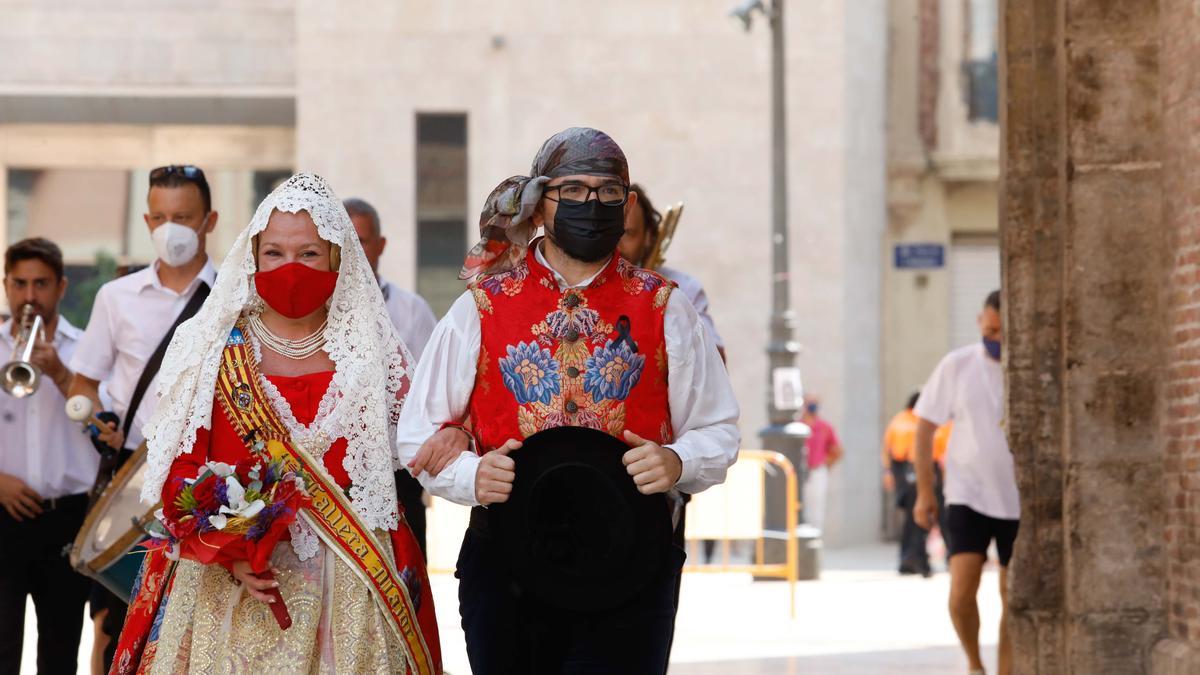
1086 249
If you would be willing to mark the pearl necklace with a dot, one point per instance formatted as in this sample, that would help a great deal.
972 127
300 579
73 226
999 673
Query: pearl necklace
297 350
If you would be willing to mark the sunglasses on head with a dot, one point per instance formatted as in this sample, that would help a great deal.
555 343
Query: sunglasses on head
183 170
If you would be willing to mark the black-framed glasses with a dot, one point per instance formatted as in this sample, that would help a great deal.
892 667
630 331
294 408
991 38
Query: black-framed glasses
612 194
186 171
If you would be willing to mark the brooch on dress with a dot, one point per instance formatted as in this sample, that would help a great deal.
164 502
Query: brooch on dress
242 397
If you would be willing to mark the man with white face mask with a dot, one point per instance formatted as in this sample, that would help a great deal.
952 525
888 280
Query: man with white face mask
132 321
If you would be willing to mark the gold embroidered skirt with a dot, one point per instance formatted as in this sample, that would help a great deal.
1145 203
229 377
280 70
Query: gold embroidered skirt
213 626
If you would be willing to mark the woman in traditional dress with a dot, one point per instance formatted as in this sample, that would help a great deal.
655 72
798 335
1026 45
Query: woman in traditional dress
293 353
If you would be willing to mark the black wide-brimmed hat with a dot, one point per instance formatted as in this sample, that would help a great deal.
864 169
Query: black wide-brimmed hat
577 533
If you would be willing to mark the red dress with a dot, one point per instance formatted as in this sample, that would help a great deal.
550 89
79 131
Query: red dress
303 394
222 444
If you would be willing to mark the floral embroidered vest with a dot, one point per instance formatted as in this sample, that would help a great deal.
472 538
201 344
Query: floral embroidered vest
590 357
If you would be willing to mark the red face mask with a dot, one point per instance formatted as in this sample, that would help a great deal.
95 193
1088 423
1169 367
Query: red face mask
295 290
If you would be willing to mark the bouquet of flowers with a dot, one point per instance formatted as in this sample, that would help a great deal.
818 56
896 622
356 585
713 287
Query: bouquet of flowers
230 513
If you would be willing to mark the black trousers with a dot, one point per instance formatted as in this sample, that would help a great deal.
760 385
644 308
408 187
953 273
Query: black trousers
33 563
409 492
512 635
679 539
914 557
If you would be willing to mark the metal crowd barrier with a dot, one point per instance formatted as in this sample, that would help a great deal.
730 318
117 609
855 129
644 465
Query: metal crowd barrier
721 499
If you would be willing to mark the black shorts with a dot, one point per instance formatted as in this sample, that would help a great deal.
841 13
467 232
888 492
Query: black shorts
968 531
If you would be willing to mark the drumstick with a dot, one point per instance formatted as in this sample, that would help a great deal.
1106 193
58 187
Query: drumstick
79 409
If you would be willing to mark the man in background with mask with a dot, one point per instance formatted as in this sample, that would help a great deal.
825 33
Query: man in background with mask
414 322
508 359
982 504
133 319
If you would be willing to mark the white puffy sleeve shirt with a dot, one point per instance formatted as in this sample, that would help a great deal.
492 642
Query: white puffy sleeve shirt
704 411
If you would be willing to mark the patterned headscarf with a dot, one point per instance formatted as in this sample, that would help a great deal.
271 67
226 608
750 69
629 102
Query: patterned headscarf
505 224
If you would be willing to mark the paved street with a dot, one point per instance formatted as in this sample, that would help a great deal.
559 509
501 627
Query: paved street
860 618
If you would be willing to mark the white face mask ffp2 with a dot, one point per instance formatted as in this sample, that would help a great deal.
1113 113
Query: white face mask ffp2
175 244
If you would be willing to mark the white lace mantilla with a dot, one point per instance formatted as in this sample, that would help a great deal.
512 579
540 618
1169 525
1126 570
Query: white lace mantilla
371 366
305 543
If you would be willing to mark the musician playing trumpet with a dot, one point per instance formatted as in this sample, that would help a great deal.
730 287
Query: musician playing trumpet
641 243
46 465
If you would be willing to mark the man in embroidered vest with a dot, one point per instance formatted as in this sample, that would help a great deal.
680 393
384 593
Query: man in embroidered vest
558 332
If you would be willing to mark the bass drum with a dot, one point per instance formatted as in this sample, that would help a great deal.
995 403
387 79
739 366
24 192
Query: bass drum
104 549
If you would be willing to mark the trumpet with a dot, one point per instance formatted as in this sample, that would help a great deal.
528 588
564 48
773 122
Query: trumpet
19 377
656 256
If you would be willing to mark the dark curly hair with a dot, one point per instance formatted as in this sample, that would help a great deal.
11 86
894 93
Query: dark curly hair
651 216
35 248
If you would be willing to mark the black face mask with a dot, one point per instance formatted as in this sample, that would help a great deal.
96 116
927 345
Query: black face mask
589 231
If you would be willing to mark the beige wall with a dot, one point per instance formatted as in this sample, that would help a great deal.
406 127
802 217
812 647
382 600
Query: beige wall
124 45
80 231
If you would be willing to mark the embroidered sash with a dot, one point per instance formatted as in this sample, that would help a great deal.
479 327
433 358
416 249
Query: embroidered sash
239 391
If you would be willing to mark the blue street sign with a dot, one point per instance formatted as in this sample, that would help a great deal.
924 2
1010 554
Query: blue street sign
920 256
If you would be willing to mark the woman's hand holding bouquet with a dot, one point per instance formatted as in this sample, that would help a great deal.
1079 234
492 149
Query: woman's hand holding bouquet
234 516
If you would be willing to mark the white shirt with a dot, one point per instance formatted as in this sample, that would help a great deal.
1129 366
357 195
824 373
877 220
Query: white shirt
129 318
694 290
704 412
968 387
38 442
411 315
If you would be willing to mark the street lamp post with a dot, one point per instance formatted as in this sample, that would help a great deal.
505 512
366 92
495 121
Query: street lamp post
783 433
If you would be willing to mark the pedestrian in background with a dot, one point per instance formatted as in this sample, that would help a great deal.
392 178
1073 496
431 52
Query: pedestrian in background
824 450
900 479
981 488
